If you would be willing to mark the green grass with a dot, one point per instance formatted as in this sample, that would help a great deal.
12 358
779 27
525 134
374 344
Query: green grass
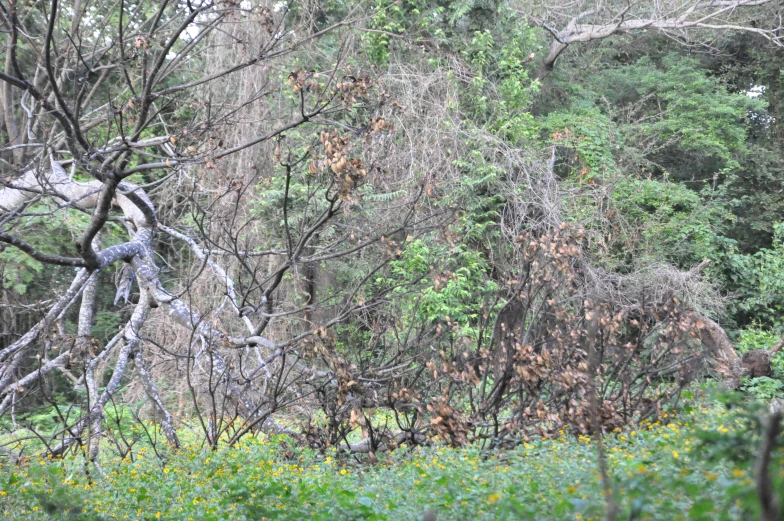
696 467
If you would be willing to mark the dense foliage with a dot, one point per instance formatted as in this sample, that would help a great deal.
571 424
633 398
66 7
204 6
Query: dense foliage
250 249
695 465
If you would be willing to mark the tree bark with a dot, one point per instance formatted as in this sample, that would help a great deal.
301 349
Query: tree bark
727 362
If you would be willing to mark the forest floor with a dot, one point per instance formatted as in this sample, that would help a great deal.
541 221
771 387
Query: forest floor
696 463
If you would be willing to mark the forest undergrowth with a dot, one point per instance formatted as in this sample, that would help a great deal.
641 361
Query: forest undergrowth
696 463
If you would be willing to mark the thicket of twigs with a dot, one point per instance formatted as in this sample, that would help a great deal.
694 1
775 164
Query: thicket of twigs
278 222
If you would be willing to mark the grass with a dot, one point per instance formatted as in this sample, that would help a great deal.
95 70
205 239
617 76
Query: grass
696 466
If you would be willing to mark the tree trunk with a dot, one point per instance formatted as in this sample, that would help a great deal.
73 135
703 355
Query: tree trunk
726 361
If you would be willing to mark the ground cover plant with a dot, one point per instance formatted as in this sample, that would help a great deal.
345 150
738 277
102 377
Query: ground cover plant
696 464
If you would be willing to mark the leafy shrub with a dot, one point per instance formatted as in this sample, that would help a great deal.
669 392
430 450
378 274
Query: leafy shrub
758 281
756 337
762 388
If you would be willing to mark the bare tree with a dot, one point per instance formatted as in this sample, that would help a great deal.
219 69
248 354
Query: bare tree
585 21
140 103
